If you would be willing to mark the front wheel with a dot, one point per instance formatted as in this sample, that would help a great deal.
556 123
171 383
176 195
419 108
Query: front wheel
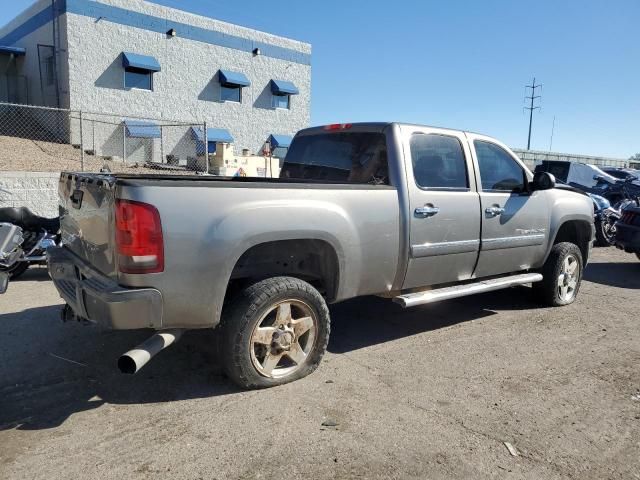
274 332
17 270
562 275
605 232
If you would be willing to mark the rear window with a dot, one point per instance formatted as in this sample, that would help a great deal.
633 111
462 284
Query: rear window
344 157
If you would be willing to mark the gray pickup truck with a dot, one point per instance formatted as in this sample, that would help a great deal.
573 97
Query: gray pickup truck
412 213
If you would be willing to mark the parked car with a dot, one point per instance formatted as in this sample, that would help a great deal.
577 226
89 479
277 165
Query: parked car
581 175
592 179
628 230
623 173
412 213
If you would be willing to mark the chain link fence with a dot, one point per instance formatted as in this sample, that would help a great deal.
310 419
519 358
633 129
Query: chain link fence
42 139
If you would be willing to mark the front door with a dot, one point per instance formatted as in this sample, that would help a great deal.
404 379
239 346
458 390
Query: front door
514 221
445 208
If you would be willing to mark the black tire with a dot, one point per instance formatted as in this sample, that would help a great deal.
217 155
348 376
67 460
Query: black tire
548 290
17 270
254 307
604 236
638 255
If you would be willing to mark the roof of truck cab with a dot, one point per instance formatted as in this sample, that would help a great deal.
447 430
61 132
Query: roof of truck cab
380 126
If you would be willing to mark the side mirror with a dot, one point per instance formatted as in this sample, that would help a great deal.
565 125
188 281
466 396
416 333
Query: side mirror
543 181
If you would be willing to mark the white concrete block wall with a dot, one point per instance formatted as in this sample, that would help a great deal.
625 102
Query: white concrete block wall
187 88
36 190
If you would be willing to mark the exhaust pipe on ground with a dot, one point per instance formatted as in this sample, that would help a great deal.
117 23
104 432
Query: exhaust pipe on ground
132 361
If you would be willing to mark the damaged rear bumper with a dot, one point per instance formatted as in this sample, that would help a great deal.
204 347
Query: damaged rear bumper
97 298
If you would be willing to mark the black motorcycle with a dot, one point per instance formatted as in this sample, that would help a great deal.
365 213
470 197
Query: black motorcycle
24 239
605 218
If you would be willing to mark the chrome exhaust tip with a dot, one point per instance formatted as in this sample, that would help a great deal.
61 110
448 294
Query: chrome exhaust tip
132 361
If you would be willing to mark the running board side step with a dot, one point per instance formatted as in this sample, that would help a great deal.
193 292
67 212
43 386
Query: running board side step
439 294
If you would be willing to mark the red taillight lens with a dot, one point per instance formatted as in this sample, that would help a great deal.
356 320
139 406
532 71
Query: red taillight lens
139 238
338 126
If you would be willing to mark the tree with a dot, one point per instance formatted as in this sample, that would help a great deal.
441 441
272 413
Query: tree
635 158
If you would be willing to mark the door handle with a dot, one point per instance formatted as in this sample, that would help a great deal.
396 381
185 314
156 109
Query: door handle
494 211
426 211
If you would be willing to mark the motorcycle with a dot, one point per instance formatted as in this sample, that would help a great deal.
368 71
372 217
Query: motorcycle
605 218
24 239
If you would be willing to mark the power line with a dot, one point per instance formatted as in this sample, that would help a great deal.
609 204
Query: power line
532 98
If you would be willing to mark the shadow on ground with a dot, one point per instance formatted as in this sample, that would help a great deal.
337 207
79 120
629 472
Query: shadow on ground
34 274
363 322
50 370
621 274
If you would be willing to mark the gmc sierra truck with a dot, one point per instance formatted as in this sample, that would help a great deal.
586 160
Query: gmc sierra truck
412 213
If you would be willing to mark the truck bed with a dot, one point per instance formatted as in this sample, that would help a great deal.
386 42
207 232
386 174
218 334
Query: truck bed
209 223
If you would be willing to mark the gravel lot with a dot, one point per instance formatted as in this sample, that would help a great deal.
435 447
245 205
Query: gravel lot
431 392
25 155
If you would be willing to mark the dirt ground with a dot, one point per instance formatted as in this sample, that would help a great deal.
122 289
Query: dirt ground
25 155
432 392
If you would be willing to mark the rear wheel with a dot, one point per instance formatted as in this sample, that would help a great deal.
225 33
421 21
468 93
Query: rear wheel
562 274
17 270
274 332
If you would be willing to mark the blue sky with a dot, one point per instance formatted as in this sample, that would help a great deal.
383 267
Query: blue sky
463 64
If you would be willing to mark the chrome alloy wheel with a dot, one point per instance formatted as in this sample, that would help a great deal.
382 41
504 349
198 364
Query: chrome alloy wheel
283 338
568 278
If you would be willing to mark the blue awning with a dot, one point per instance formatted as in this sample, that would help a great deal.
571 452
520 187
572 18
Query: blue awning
282 87
138 129
280 141
17 51
142 62
220 135
234 79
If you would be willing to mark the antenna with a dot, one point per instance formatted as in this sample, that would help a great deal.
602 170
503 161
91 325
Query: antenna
553 127
532 98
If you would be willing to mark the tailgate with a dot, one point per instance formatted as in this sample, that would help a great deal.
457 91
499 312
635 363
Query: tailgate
86 219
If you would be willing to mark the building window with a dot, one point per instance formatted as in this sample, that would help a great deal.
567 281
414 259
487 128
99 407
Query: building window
138 78
282 101
230 93
49 71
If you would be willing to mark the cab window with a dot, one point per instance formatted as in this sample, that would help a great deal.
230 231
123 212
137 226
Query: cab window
438 162
499 172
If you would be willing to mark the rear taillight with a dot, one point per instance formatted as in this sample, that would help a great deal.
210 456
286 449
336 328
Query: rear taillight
628 218
139 239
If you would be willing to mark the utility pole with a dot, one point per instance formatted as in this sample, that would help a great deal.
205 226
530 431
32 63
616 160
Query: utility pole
553 127
531 108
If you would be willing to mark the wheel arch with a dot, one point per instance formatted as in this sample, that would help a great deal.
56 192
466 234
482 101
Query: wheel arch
314 260
577 231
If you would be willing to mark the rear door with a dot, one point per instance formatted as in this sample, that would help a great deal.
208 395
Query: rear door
445 208
514 222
